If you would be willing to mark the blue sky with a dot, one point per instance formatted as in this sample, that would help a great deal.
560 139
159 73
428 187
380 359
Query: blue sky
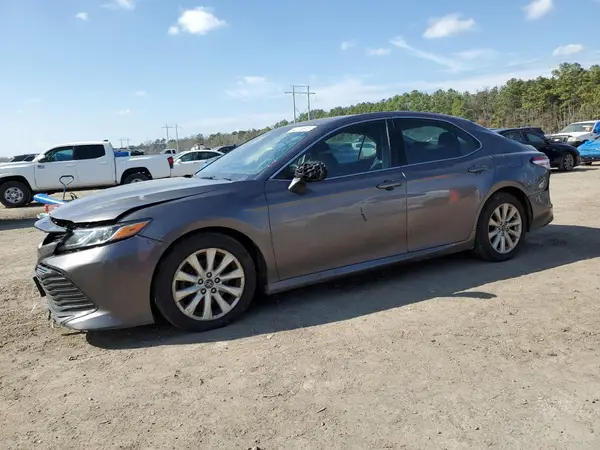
106 69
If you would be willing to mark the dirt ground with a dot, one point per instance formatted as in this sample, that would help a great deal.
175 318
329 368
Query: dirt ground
446 354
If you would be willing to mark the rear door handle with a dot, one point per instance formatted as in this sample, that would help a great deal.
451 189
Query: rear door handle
478 169
390 185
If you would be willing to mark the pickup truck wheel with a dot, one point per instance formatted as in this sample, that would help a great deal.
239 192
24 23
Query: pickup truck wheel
136 178
14 194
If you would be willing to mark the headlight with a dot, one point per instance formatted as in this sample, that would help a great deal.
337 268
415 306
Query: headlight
571 138
90 237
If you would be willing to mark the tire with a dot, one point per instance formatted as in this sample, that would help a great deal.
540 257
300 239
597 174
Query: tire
173 268
136 178
14 194
567 162
483 241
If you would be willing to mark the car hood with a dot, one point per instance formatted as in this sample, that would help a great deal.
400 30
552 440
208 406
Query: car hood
15 165
590 146
110 204
575 134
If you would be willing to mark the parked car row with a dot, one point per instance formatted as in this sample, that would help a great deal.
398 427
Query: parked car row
577 143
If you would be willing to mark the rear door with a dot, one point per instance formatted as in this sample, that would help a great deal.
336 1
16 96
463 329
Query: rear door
448 176
94 166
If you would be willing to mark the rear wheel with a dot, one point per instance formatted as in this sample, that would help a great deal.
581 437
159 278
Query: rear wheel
136 178
567 163
14 194
205 282
501 228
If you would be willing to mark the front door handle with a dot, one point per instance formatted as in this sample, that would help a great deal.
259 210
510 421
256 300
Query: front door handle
477 169
390 185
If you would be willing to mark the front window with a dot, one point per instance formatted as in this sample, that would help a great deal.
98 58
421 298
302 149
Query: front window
250 159
583 127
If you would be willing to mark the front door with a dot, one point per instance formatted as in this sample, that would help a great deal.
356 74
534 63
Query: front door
56 163
357 214
448 175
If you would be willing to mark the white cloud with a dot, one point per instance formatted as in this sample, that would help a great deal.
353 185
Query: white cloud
253 87
82 16
197 21
378 51
451 64
567 50
448 25
124 112
477 53
141 93
537 9
346 45
120 4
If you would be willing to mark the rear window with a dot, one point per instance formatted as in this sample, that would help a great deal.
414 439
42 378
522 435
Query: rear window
89 151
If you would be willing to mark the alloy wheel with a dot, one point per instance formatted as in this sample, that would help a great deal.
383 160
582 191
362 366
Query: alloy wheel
208 284
569 162
505 228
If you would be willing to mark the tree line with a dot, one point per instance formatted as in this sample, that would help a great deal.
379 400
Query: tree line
570 94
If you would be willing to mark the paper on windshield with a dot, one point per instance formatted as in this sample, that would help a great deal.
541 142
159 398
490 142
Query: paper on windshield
304 129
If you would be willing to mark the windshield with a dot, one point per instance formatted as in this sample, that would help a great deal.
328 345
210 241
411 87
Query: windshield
583 127
256 155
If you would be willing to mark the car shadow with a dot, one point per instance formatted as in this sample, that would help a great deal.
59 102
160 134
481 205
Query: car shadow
456 276
16 224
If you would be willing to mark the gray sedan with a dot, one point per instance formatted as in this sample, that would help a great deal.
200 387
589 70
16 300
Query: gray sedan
297 205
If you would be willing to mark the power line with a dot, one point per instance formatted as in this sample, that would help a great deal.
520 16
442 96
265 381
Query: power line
299 90
167 127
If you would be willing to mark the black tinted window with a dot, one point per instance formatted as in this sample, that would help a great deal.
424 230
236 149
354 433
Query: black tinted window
535 139
89 151
468 144
431 140
207 155
515 136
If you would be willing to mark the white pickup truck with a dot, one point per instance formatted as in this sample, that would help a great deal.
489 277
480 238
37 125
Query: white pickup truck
90 164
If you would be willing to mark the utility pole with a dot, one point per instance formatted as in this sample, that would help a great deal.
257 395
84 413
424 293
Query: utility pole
177 127
127 143
295 92
167 128
121 141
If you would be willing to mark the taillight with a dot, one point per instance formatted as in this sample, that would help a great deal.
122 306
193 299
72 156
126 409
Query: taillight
170 159
541 161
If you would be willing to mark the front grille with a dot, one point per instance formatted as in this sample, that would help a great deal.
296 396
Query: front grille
65 300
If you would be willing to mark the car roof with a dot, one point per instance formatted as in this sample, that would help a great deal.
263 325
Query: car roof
338 121
586 121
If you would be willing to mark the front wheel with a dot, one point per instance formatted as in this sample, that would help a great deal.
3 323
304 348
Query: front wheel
205 282
14 194
500 229
567 163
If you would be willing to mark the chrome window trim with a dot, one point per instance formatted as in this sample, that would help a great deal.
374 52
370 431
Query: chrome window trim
298 155
391 117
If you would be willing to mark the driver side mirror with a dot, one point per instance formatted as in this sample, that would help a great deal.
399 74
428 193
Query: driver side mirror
43 160
308 172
